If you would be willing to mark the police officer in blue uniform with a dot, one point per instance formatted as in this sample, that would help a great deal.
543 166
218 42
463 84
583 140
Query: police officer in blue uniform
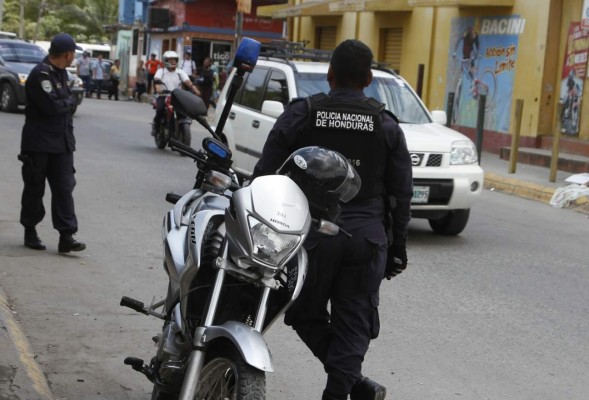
347 272
47 147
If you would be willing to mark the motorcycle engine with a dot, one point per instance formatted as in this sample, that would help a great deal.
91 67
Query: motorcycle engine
172 354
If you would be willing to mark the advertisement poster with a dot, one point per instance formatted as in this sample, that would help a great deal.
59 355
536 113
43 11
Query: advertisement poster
481 61
574 70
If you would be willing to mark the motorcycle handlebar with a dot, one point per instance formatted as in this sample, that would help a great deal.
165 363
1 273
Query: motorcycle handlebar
183 149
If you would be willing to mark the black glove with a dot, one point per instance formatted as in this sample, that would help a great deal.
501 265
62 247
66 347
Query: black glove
396 261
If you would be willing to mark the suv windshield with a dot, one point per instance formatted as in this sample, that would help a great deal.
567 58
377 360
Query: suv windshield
393 92
21 52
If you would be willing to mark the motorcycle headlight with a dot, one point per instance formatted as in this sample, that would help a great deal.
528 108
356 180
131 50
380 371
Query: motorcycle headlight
463 152
22 78
269 246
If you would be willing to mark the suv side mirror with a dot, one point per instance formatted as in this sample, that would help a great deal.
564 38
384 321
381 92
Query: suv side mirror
439 117
272 108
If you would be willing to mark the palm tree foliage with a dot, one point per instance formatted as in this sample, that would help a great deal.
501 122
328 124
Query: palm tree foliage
83 19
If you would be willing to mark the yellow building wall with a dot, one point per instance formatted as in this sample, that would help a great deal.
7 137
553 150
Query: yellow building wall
426 35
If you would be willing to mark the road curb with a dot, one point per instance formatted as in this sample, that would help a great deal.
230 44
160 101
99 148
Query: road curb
21 377
518 187
529 190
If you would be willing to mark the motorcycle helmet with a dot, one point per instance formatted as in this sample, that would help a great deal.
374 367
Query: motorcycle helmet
325 177
169 55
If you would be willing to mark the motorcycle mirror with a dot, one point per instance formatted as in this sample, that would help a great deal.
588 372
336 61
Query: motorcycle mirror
188 104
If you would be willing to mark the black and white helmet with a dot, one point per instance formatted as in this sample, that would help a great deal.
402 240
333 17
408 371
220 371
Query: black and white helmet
325 176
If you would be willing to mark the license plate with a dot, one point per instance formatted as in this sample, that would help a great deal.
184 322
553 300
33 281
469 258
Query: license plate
420 194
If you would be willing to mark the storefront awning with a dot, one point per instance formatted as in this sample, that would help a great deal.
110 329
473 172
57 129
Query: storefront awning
331 7
335 7
462 3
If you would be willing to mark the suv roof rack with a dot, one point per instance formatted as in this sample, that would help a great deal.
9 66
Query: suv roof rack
293 51
287 51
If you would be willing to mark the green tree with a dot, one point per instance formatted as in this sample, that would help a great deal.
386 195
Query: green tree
83 19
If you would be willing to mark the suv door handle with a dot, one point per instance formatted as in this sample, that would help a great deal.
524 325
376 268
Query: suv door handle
256 123
231 115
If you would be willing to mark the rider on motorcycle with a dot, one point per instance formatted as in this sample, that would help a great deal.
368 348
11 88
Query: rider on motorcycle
169 78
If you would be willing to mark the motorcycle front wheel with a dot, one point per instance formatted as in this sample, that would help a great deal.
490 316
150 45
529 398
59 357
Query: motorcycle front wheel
225 375
184 133
160 138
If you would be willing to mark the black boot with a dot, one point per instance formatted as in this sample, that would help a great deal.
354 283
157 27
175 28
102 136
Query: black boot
67 243
32 240
367 389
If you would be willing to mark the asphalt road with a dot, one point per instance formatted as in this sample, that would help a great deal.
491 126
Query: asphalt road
499 312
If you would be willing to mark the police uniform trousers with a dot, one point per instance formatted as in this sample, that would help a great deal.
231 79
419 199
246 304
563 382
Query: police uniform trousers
58 170
347 272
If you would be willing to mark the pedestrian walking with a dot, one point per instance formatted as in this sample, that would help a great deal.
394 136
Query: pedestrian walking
47 147
98 72
204 81
115 78
347 272
152 65
140 81
188 65
83 70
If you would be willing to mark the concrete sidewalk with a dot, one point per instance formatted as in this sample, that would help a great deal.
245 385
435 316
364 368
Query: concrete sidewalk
21 377
528 181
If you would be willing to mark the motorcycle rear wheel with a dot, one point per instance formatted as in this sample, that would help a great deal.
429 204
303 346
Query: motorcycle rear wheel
184 133
226 375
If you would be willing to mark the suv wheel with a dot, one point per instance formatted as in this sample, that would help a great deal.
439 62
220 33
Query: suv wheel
8 98
452 224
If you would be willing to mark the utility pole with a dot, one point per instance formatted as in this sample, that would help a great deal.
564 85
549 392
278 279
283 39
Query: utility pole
1 12
21 27
243 7
39 19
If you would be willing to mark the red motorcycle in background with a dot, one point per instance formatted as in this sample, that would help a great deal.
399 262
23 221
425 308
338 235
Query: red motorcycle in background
173 125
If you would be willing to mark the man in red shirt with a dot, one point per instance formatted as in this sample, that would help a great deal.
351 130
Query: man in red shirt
152 65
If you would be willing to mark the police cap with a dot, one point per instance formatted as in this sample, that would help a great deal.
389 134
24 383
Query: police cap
62 43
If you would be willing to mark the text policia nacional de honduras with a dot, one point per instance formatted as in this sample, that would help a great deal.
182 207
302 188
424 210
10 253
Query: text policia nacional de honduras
344 120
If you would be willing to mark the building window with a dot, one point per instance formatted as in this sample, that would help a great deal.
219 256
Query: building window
391 45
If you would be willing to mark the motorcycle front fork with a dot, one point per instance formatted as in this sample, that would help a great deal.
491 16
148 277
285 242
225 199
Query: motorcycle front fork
197 357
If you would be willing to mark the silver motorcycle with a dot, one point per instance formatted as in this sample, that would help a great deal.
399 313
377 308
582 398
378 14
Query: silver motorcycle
235 262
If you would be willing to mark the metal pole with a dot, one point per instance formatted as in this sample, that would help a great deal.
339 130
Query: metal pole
519 106
480 124
450 109
238 31
420 73
555 144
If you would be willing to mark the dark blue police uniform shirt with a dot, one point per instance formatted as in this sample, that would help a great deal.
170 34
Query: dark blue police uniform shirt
48 124
293 121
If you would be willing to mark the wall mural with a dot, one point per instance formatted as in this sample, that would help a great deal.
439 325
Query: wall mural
481 61
573 71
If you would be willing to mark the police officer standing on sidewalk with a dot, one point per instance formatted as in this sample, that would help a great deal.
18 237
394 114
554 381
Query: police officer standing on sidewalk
347 272
47 147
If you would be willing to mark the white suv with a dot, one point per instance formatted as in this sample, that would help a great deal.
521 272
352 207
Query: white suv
446 176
